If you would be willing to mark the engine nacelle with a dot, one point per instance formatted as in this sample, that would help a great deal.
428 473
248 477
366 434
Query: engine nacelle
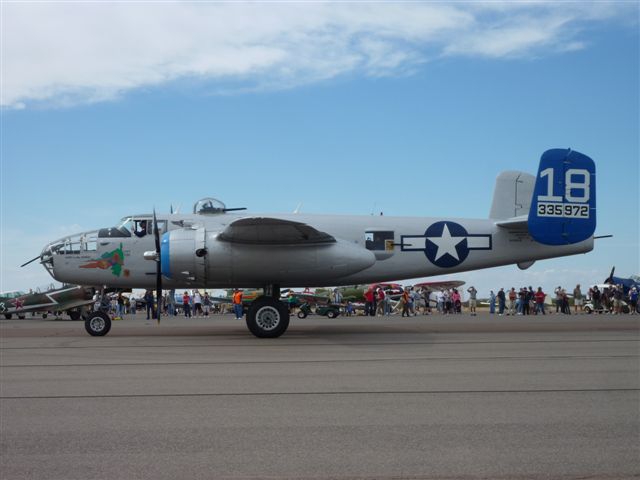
196 257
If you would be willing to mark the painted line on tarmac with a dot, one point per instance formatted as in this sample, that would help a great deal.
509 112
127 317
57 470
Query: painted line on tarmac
345 393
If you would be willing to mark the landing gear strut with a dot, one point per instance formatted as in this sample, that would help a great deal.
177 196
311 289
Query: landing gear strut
268 317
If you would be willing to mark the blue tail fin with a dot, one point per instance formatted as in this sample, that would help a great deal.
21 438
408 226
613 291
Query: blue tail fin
563 207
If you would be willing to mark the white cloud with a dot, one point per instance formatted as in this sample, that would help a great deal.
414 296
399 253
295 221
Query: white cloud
66 53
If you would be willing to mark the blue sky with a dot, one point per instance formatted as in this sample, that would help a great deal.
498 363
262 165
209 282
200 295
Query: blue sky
410 109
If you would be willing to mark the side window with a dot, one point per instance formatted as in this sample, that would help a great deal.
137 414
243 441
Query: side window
379 240
140 228
162 226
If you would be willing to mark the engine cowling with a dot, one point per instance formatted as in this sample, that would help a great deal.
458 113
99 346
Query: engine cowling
197 257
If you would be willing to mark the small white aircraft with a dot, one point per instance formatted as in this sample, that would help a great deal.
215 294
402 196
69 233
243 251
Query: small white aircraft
531 218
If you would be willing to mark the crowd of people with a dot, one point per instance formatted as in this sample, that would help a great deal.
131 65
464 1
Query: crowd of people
525 301
408 302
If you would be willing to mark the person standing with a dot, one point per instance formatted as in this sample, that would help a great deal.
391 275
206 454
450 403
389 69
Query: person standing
132 304
120 306
566 308
405 302
206 304
595 296
558 292
456 301
368 302
617 299
528 301
440 301
186 304
472 299
237 304
539 297
426 294
197 303
512 302
171 303
501 301
292 301
380 309
578 299
148 301
415 301
337 296
633 300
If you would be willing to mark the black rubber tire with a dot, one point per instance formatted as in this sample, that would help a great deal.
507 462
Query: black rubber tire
44 315
302 314
332 314
74 314
587 310
97 324
22 316
8 316
267 317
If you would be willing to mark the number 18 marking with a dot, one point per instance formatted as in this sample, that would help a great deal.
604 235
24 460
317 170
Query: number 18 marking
582 186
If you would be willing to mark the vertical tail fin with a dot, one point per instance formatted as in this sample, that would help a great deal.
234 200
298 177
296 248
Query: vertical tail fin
563 207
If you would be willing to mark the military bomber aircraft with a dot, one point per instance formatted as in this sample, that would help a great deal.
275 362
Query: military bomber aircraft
532 218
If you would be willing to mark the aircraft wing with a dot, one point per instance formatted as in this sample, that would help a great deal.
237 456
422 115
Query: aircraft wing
273 231
446 284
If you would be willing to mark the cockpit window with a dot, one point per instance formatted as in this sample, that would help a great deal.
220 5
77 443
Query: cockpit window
140 227
113 232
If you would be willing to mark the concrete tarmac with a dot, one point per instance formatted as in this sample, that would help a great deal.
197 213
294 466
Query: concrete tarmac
350 398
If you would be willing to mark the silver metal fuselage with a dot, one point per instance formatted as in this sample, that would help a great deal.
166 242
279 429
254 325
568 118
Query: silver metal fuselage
409 252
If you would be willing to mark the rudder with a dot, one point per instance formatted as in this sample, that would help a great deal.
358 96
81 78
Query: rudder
563 207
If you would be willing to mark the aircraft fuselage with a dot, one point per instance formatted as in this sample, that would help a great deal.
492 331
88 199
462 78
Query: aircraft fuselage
366 249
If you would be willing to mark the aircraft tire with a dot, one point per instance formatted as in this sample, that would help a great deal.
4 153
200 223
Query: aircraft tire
302 314
97 324
44 315
7 316
22 316
74 314
267 317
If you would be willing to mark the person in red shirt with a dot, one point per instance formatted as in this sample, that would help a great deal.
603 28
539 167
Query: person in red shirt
368 302
539 297
186 304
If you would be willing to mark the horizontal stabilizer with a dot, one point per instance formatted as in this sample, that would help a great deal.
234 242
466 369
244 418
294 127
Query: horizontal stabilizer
516 223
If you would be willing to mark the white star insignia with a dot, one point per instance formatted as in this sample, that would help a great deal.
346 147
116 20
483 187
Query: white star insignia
446 244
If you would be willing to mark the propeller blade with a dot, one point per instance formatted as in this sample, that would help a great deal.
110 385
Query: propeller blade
32 260
610 277
156 235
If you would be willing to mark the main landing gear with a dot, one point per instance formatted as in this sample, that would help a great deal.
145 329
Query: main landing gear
268 317
97 324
